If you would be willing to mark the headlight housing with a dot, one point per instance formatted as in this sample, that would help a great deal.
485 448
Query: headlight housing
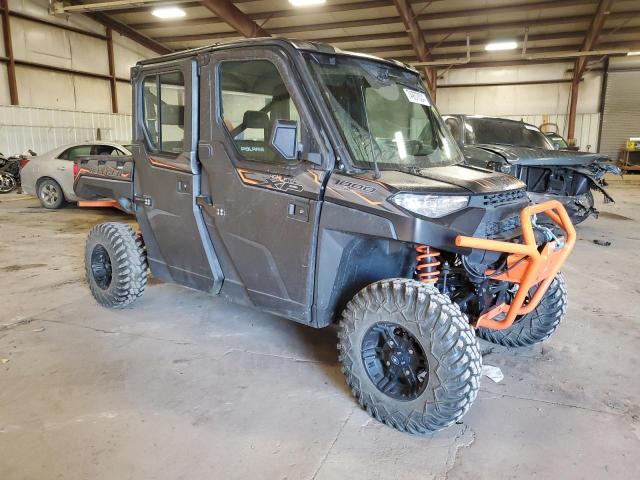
432 206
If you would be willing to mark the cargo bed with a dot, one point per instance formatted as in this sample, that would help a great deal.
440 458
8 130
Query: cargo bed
104 177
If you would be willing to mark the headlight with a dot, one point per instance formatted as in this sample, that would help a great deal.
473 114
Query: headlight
432 206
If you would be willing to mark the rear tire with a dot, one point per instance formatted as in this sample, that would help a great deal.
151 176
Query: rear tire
50 194
536 326
409 355
115 264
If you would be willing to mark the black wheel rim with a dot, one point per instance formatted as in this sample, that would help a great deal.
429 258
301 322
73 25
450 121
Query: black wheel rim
395 361
101 267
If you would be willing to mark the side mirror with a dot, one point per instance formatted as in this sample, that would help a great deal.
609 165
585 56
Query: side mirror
284 138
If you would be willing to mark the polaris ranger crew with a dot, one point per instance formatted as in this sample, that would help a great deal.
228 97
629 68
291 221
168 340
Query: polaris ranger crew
323 186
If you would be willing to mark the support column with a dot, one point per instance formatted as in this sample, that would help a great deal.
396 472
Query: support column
112 71
8 50
573 105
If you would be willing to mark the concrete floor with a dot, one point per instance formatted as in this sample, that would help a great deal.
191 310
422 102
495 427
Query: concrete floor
186 386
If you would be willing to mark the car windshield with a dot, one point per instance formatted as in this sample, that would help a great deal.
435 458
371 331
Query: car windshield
558 142
504 132
383 114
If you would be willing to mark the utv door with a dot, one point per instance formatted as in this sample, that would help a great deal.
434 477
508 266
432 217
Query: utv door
261 209
167 175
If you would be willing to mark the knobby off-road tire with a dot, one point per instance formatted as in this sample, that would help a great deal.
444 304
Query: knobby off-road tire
537 325
115 264
432 326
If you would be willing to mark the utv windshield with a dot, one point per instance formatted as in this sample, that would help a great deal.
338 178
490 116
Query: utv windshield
504 132
383 114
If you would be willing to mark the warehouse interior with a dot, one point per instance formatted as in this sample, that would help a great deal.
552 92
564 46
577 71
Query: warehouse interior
186 384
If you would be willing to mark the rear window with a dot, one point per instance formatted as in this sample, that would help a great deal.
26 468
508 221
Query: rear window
504 132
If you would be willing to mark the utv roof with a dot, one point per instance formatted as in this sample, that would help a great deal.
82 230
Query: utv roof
302 45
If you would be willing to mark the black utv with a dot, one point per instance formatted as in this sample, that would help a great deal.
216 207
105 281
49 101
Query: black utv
323 186
522 150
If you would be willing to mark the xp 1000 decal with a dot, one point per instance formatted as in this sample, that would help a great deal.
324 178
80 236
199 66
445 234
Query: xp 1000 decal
281 183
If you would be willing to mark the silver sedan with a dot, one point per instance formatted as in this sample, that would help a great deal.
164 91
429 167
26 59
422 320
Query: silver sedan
50 176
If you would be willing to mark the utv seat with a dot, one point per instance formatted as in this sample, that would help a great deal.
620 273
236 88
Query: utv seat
259 150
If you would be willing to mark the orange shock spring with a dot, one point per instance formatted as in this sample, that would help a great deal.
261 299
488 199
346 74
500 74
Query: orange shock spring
427 267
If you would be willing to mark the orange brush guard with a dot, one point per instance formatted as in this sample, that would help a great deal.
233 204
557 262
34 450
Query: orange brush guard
526 266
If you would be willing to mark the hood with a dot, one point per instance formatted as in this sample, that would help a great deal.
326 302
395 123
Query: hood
537 156
452 179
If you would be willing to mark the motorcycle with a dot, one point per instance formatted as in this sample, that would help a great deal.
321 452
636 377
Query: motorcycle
10 171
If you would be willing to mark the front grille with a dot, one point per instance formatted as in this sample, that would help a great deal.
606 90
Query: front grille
501 198
496 228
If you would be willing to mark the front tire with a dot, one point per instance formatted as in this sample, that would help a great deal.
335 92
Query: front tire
409 355
50 194
581 214
537 325
115 264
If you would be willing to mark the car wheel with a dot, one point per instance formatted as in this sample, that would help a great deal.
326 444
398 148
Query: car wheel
409 355
50 194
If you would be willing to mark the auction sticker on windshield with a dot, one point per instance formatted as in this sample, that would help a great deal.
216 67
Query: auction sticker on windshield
416 97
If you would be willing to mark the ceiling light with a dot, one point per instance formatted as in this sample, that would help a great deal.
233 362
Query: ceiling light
306 3
633 53
505 45
168 12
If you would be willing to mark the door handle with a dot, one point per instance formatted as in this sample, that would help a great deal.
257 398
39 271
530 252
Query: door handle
298 211
62 169
204 201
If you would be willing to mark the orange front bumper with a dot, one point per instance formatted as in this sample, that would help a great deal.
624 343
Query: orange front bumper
526 265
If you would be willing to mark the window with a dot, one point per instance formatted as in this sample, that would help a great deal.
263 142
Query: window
106 150
74 152
150 99
253 96
163 105
383 113
453 124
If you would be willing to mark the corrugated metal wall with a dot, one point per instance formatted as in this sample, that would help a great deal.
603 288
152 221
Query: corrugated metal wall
56 107
43 129
621 118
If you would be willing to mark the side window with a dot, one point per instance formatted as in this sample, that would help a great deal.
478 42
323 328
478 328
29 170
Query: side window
163 105
150 105
172 112
253 96
74 152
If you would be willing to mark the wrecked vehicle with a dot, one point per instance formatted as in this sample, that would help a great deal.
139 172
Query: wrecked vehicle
323 186
522 150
